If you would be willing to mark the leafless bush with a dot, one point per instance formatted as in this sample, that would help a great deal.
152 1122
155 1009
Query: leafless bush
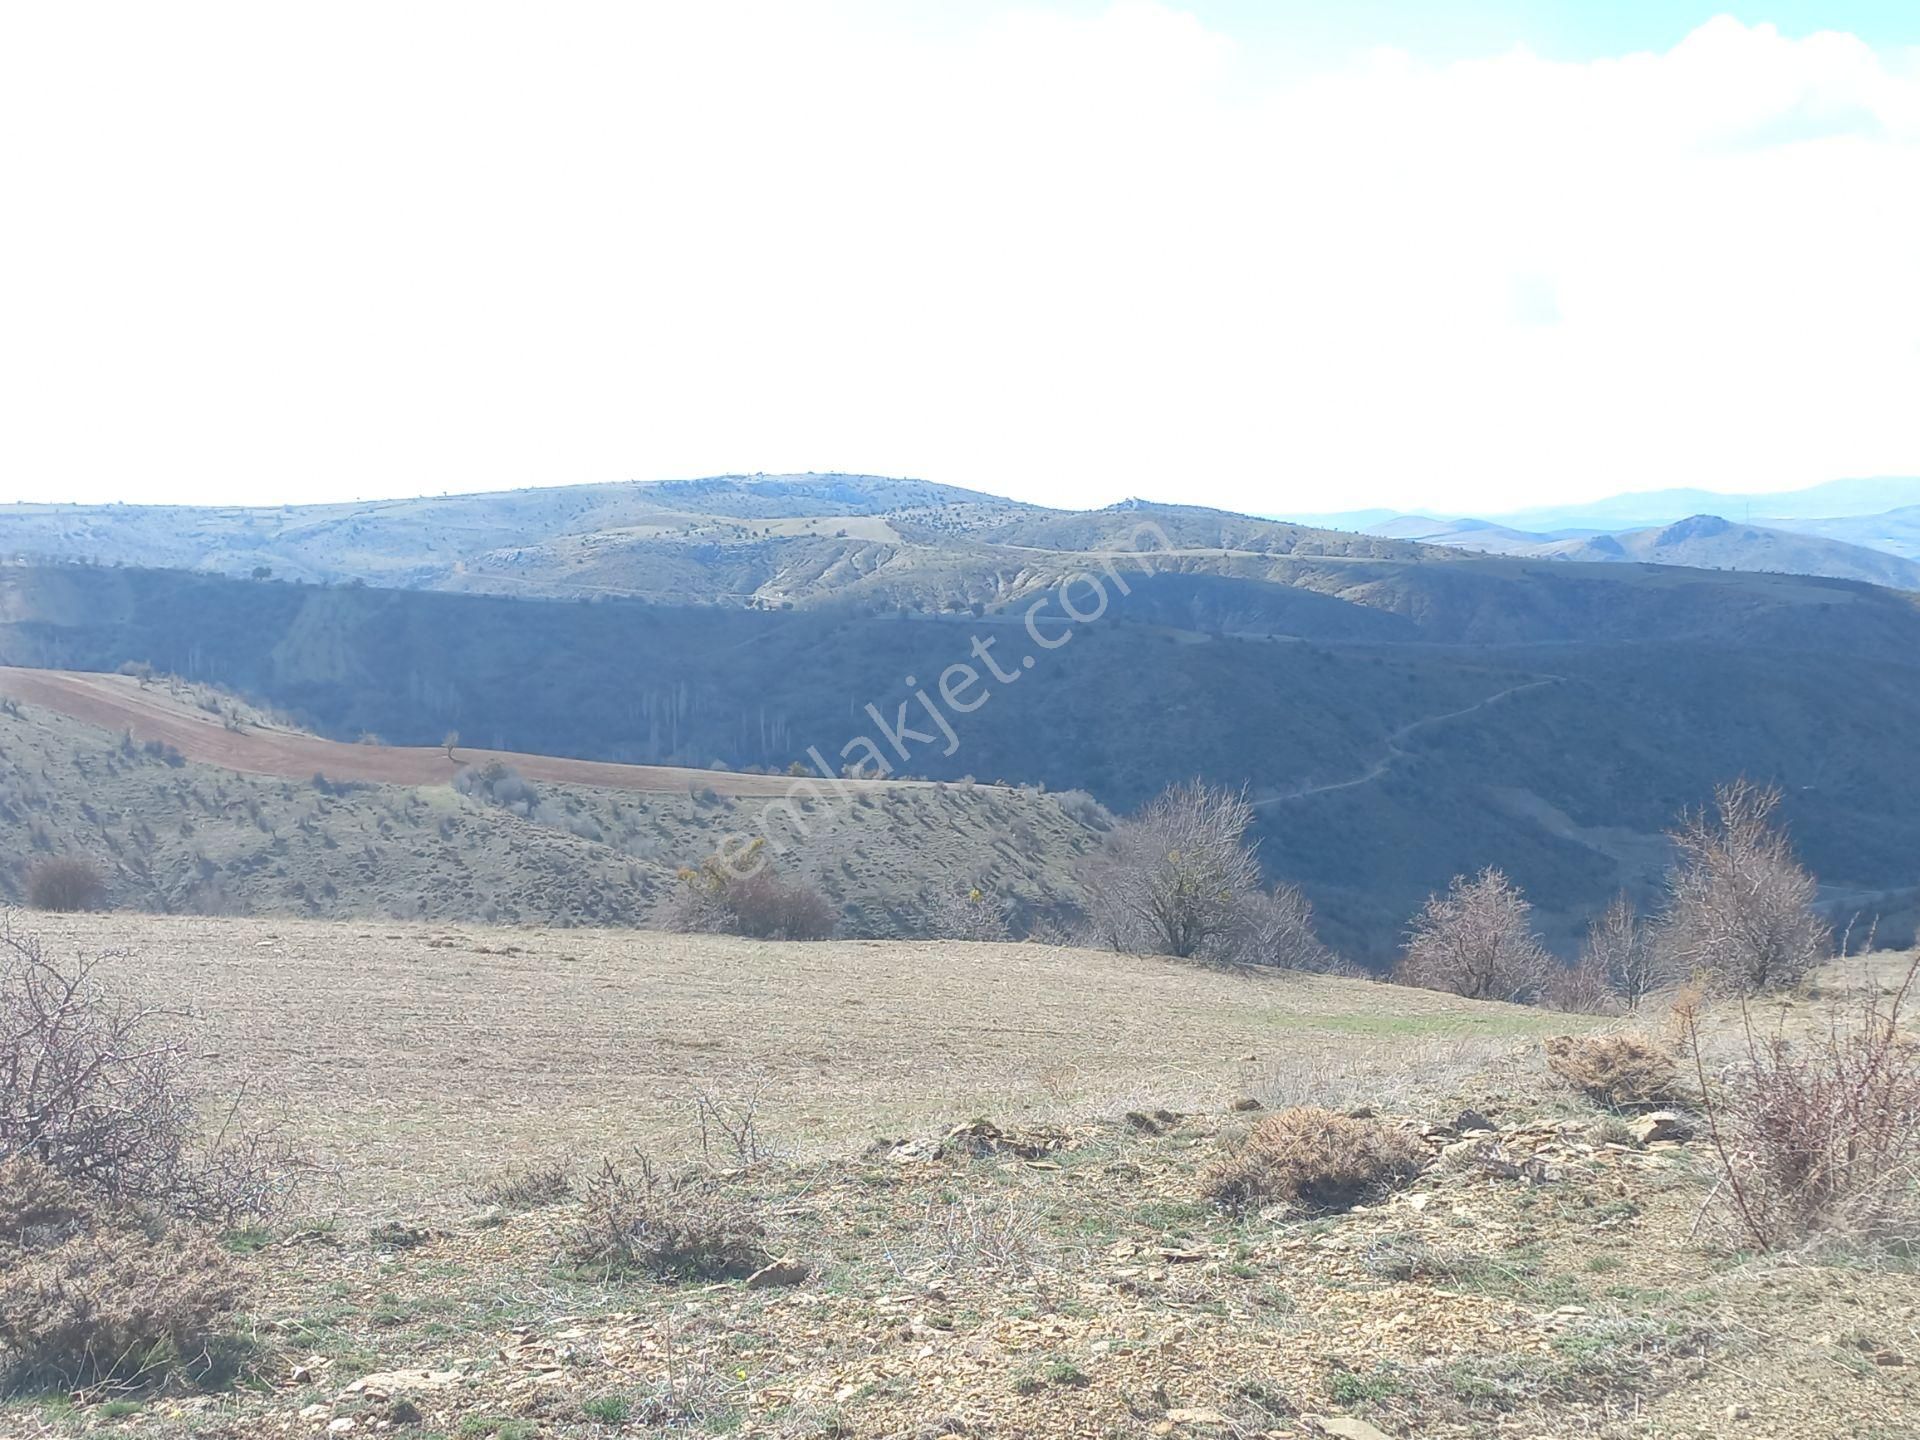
1276 928
965 915
730 1129
1621 950
1820 1136
65 884
1174 879
93 1086
1316 1159
998 1235
1621 1072
1179 879
639 1217
713 900
1477 940
87 1295
1739 906
530 1189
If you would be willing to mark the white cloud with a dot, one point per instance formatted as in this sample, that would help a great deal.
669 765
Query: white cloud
263 253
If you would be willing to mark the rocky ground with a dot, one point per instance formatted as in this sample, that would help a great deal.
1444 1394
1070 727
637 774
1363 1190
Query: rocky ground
1549 1274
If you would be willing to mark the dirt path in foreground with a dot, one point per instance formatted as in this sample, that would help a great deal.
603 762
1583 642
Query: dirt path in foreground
121 703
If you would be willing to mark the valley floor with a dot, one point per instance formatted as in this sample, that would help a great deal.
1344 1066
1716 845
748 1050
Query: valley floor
1054 1272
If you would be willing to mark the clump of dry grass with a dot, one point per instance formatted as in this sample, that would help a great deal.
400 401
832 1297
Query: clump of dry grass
1622 1072
1316 1159
88 1295
639 1217
530 1189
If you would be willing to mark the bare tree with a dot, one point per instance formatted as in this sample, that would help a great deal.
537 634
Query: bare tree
1621 953
1477 940
1739 906
452 739
1175 879
1276 928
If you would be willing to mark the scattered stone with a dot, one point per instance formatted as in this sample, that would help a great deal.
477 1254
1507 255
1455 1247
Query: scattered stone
1738 1412
1246 1103
1470 1120
1660 1125
784 1271
491 1218
1347 1427
1143 1122
1362 1112
341 1426
385 1384
403 1412
1892 1359
1195 1415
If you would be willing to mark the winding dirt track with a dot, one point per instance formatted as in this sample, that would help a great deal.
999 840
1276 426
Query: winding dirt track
1396 749
121 703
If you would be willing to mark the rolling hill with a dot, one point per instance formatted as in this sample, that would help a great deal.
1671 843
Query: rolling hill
1349 691
1699 541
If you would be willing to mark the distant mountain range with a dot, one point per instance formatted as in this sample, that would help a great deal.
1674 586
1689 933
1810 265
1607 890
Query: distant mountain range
1844 529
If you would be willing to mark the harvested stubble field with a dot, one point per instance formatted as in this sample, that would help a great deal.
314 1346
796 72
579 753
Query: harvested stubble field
415 1058
1055 1273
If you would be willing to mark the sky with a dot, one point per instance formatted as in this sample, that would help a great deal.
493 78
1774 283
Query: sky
1273 255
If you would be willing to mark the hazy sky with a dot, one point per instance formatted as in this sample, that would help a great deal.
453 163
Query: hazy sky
1269 254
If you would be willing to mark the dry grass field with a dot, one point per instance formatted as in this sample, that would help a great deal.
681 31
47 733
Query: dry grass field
1057 1271
417 1058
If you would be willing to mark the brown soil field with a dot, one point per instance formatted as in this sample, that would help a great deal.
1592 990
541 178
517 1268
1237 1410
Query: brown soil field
120 703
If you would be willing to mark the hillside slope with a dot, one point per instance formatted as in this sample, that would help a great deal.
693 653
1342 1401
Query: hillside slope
129 787
1631 690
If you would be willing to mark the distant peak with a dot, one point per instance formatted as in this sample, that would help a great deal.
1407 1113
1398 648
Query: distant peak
1696 527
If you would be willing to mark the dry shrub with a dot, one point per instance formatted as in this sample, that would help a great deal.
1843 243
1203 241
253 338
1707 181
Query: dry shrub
1621 1072
716 900
530 1189
1316 1159
1739 906
88 1295
972 914
1477 940
93 1086
686 1226
65 884
1821 1137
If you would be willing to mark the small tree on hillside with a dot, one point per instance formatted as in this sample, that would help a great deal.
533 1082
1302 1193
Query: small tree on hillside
452 739
65 883
1739 906
1620 950
1277 929
1176 878
1477 940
